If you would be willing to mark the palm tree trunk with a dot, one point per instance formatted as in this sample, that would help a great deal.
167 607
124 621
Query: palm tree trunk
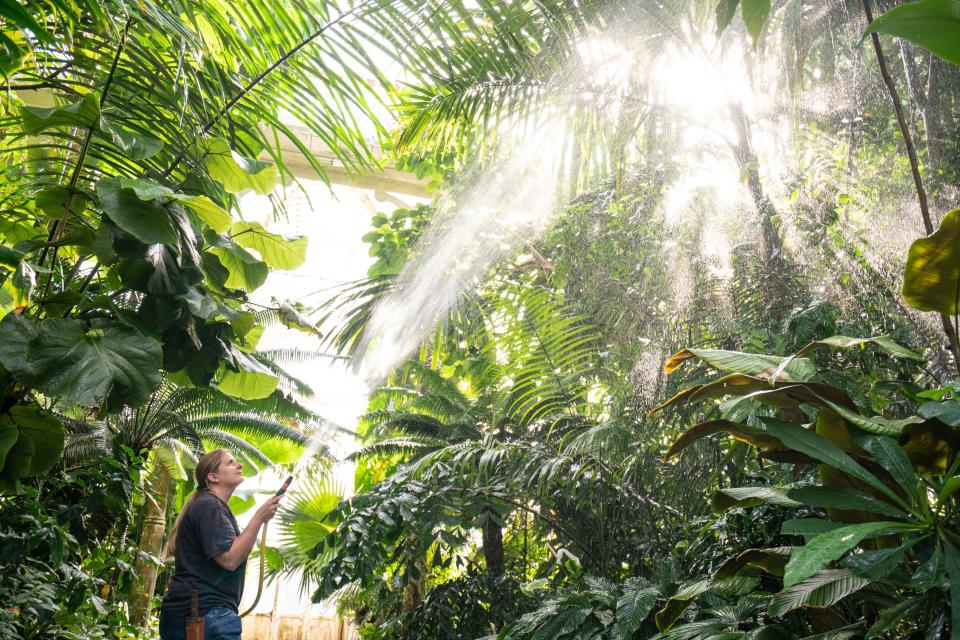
771 252
493 544
151 542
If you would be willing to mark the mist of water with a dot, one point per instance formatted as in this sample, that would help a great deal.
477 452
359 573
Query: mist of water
501 209
496 210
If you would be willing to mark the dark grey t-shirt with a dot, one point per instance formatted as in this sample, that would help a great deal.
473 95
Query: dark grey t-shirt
207 530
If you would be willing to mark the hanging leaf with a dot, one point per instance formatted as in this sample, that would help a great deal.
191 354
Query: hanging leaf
681 600
726 9
931 278
44 429
751 364
251 380
31 441
744 433
770 560
82 114
245 271
822 590
755 13
808 527
932 24
236 173
137 147
885 343
291 317
279 252
822 497
8 437
53 201
133 206
819 448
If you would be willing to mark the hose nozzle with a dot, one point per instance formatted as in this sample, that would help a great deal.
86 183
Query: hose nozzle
286 484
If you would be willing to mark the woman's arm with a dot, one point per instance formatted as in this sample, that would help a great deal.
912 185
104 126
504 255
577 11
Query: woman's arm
243 544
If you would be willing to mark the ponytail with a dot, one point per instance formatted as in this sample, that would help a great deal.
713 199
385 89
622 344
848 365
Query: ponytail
207 464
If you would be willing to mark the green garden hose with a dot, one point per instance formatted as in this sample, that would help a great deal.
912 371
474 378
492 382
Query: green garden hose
263 566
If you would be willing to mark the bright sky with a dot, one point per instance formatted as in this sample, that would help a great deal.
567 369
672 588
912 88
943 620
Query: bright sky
334 221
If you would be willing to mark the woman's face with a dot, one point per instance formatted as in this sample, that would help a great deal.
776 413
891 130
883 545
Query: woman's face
230 471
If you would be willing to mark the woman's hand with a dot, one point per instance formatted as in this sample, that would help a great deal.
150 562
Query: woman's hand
268 509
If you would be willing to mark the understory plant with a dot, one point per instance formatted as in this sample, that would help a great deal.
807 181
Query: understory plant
881 546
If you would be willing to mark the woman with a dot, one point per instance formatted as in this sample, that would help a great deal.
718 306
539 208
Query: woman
210 552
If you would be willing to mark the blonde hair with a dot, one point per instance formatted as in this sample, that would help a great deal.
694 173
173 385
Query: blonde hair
207 464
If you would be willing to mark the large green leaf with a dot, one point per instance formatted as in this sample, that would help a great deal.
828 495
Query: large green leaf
931 278
885 343
751 364
932 24
215 216
240 504
821 590
821 497
251 380
819 448
874 565
46 432
744 433
8 437
18 462
632 609
279 252
245 271
893 614
726 10
80 362
808 527
83 114
947 412
951 562
238 174
135 207
57 201
893 458
770 560
755 14
679 602
829 546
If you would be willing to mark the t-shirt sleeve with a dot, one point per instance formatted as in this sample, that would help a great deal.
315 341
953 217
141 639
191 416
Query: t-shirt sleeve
216 530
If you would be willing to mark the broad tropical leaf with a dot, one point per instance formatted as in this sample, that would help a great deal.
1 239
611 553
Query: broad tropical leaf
932 273
820 590
751 364
932 24
829 546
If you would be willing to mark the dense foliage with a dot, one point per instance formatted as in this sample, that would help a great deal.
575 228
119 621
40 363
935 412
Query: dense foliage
713 395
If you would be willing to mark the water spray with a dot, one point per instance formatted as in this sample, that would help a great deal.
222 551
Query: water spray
263 545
